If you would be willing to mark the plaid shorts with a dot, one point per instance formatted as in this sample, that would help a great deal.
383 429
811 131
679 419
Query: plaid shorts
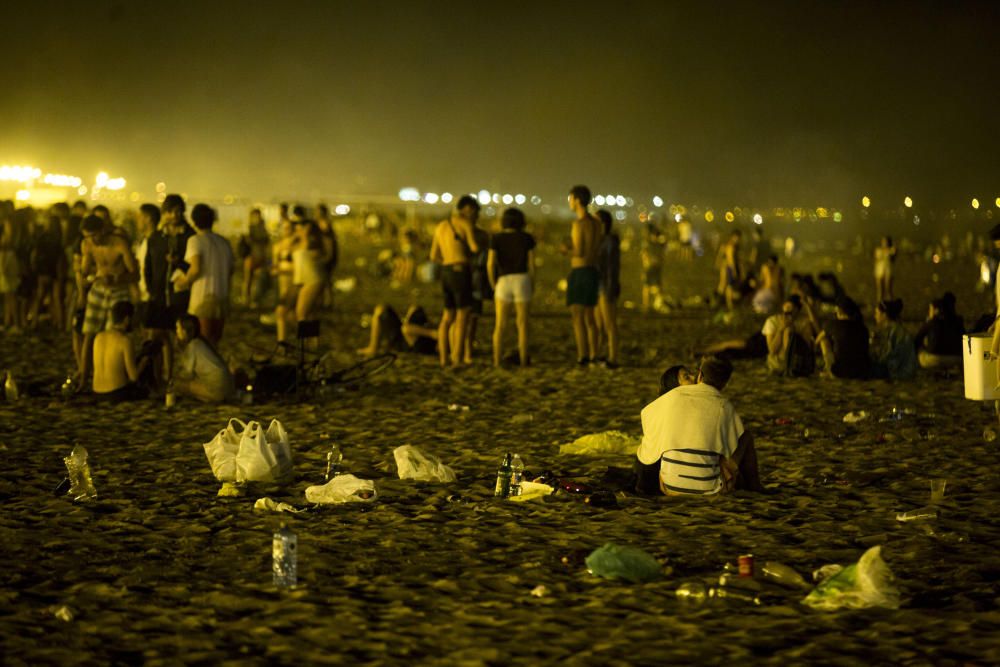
100 299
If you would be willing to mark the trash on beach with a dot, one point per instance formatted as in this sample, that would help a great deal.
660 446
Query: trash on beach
989 434
867 583
613 561
540 591
607 442
458 407
10 389
522 418
81 485
783 575
413 463
64 613
345 285
247 453
342 489
922 514
284 557
855 417
269 505
532 491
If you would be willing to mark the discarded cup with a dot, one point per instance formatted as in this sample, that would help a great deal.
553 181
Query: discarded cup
937 489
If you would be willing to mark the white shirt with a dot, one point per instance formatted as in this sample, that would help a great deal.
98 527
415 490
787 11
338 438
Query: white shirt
198 362
687 430
216 267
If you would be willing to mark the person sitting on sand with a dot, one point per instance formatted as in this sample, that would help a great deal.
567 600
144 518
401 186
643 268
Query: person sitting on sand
790 336
698 438
844 343
771 287
116 372
414 333
769 341
647 477
894 355
201 372
939 340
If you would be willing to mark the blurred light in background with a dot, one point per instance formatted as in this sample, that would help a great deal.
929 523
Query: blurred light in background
507 199
519 199
866 202
599 200
484 197
729 216
431 197
446 198
975 203
342 209
82 190
657 201
908 203
709 216
678 217
409 194
619 215
22 195
758 219
536 200
837 216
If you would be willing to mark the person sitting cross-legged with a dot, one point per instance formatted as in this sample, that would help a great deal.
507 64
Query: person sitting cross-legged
698 438
116 371
201 373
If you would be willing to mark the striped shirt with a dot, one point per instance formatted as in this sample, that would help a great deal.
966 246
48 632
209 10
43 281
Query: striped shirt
688 430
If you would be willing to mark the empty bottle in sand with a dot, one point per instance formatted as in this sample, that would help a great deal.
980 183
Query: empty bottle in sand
504 474
10 388
333 459
284 556
783 575
693 592
736 594
516 475
81 485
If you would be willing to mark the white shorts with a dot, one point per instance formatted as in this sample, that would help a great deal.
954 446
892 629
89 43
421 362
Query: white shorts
514 287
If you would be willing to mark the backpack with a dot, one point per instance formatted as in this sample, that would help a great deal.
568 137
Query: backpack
801 361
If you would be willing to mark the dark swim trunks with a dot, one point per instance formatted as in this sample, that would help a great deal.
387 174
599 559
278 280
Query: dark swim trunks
456 285
582 286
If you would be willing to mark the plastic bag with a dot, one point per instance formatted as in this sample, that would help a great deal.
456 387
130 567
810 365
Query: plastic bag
531 490
269 505
415 464
867 583
343 489
613 561
246 453
608 442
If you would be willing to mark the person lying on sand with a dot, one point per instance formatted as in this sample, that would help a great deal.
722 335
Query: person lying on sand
201 372
414 333
116 373
699 440
647 477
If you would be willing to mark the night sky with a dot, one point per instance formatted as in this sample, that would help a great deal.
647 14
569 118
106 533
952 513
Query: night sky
758 103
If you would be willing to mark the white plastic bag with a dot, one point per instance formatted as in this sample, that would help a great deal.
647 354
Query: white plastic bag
608 442
531 491
415 464
343 489
269 505
222 451
867 583
246 453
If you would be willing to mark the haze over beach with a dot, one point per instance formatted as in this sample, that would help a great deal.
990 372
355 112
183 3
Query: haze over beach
630 333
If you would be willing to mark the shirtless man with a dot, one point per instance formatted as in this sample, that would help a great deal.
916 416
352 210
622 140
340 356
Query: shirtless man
454 241
731 278
109 265
584 278
115 369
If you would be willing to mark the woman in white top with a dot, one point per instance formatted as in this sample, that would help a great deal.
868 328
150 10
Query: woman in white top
885 255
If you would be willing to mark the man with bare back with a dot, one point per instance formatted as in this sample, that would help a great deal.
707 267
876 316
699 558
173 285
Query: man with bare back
109 266
584 279
453 245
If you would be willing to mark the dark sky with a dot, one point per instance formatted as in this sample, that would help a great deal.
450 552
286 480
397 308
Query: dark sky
752 102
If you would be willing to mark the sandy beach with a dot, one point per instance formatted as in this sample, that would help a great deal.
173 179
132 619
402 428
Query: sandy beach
158 570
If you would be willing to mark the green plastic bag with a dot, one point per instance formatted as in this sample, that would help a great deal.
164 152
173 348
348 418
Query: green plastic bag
867 583
613 561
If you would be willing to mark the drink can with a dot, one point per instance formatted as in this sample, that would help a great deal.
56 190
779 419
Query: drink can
170 400
746 565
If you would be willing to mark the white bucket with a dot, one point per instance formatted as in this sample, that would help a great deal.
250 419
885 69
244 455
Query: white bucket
980 370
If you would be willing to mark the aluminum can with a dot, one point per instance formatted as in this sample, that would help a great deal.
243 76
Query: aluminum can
746 565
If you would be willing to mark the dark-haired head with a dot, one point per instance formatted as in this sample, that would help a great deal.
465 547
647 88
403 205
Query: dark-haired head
202 215
122 311
512 218
581 193
174 203
848 307
948 304
891 309
604 216
92 225
716 372
671 379
466 201
152 212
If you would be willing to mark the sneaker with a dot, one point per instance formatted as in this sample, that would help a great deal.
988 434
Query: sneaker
231 490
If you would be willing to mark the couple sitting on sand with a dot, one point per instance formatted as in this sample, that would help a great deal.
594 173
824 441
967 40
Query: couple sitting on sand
693 442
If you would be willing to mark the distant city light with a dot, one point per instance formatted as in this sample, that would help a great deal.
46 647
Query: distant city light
496 198
409 194
508 199
657 201
709 216
484 197
729 216
135 196
82 190
997 202
101 180
520 199
23 195
62 180
866 202
678 217
758 219
342 209
115 184
908 203
536 200
161 187
619 215
975 203
620 200
446 198
431 197
609 200
629 202
837 216
599 200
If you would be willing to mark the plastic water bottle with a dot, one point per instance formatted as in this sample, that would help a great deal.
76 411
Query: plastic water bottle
284 554
504 474
783 575
333 459
170 398
516 475
81 484
10 389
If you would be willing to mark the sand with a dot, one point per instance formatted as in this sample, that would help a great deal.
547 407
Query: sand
159 570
